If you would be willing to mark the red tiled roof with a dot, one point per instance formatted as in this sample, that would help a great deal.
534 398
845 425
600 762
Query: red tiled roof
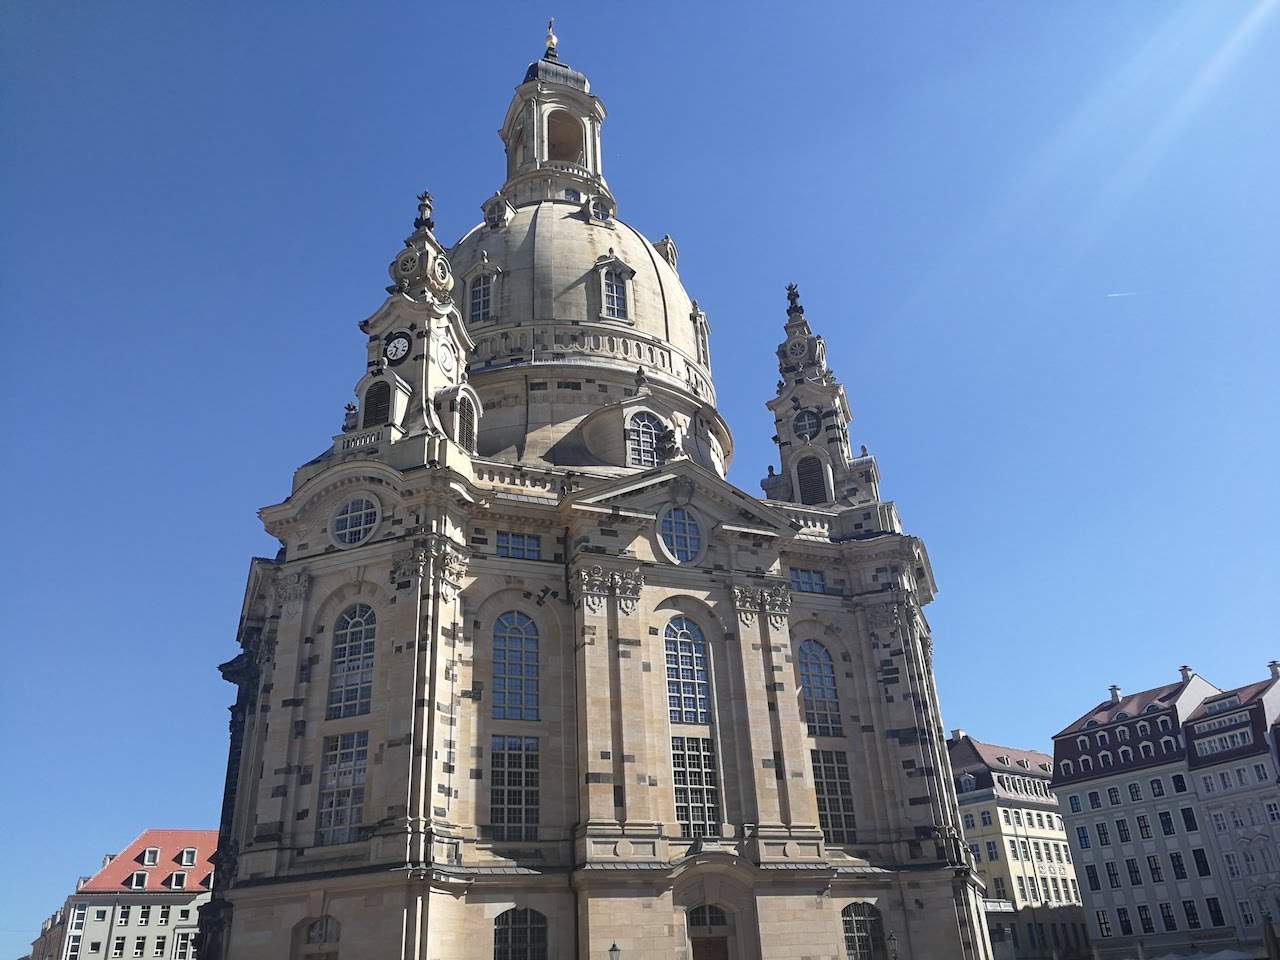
1247 694
1133 704
114 877
990 754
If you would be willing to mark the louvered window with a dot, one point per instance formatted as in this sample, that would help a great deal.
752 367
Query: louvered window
467 425
813 482
377 404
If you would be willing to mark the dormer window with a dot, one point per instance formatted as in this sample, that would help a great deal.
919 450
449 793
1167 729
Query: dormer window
178 881
150 856
188 857
138 880
643 435
967 783
600 209
1164 723
1082 743
615 295
481 298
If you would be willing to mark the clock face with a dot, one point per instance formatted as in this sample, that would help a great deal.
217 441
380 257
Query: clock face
448 358
397 347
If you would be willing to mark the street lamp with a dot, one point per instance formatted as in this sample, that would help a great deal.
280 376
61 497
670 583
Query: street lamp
892 941
614 952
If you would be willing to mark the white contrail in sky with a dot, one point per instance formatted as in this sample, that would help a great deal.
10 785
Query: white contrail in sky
1128 293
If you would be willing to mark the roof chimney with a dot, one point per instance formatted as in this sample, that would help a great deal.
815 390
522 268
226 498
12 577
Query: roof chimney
1115 693
958 734
1187 672
1275 669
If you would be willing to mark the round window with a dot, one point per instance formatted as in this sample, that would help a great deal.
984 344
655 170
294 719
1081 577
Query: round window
681 534
806 424
355 521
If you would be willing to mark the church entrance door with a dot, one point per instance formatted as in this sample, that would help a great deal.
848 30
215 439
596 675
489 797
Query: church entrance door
710 948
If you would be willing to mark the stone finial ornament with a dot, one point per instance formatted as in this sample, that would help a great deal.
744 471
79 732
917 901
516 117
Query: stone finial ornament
424 221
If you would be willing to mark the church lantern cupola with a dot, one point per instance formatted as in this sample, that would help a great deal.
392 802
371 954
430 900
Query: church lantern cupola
552 137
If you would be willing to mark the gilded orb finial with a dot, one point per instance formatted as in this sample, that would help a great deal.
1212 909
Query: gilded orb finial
552 40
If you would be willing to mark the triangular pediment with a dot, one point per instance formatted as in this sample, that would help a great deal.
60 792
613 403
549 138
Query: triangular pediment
684 482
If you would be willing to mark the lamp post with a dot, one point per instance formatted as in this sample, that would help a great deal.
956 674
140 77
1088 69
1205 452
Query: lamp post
892 941
614 952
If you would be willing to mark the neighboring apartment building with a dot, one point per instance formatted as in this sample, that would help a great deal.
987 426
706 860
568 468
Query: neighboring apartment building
48 946
1019 847
1232 757
144 902
1142 842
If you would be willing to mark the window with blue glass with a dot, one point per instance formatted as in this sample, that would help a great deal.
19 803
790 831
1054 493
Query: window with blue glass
688 689
515 667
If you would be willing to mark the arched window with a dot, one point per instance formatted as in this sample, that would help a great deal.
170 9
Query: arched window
863 932
1147 750
615 295
1167 745
313 939
377 404
681 534
1144 729
642 440
1125 754
564 137
1082 743
351 670
807 424
515 667
481 298
1164 723
520 935
1086 763
812 480
688 687
818 685
707 915
1067 768
466 424
1104 758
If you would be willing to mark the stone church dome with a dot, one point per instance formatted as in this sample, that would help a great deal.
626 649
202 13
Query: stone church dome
580 322
550 255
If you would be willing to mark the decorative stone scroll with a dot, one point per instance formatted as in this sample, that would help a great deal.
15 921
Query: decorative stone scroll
595 585
291 591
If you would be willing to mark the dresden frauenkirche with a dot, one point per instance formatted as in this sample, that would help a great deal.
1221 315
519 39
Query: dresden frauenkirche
530 679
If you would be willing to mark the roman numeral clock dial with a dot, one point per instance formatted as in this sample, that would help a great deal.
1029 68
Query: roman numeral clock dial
397 348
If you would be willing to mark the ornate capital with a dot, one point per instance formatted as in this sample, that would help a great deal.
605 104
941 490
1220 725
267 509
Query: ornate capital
291 591
774 602
595 585
626 585
881 616
448 562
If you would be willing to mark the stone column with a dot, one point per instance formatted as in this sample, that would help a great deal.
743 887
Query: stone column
796 785
594 701
632 760
755 726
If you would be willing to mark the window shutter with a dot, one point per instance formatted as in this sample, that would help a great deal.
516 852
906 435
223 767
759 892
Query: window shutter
813 484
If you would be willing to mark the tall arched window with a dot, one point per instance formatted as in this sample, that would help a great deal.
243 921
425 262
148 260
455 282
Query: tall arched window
863 932
818 685
615 295
351 671
377 404
642 440
466 424
481 298
688 696
515 667
520 934
812 479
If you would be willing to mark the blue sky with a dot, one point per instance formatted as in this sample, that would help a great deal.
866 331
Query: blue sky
1040 239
